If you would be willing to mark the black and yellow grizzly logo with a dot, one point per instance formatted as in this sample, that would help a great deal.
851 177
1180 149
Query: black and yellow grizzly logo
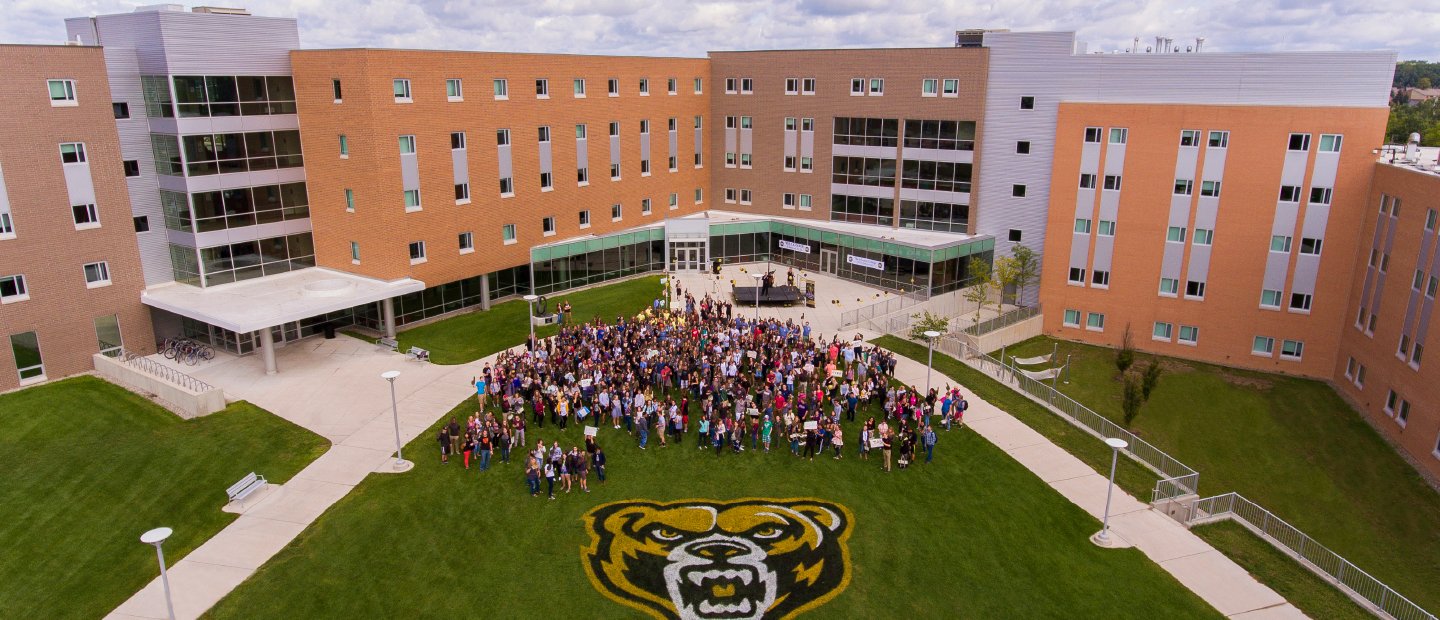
714 559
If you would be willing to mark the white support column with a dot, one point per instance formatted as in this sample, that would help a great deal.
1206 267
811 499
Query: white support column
485 291
267 350
387 311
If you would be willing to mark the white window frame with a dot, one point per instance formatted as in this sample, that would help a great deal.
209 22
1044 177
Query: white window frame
466 241
1194 338
1174 285
1091 323
1279 295
67 97
354 252
950 87
1268 349
417 258
930 87
1119 135
1066 320
792 86
1298 350
507 234
462 193
547 226
1169 331
401 90
412 200
542 88
584 218
807 86
459 90
407 142
617 212
501 88
578 87
877 87
22 292
92 213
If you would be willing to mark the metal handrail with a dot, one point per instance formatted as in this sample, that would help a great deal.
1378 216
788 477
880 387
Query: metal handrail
161 371
1005 320
1380 599
882 308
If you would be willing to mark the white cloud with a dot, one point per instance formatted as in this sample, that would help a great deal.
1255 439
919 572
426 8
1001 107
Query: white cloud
669 27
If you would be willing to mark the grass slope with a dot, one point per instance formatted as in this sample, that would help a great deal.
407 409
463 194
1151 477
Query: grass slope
86 467
473 335
972 535
1313 595
1290 444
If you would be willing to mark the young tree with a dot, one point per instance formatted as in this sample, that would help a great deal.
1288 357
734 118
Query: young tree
1125 355
1007 278
981 282
928 322
1150 378
1131 399
1027 269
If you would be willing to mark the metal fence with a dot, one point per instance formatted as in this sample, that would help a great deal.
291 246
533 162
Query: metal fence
156 369
1356 583
1177 479
881 308
1005 320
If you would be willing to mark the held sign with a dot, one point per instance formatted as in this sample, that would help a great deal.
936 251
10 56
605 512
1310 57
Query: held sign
794 247
865 262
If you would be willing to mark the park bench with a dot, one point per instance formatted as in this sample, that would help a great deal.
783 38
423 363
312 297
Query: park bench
389 343
420 355
247 485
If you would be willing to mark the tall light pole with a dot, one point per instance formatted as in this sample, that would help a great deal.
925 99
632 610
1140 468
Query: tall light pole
1116 445
530 303
400 463
930 336
157 537
758 278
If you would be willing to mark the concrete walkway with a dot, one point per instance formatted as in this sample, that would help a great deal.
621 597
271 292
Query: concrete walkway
332 387
1192 561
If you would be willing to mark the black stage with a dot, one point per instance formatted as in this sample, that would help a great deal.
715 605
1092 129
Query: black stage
745 295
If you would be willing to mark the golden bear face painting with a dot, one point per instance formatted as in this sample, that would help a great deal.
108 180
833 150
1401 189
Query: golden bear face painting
712 559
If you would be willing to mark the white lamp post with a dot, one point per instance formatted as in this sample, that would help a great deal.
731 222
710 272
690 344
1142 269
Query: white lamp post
157 537
1116 445
400 463
930 336
530 303
758 278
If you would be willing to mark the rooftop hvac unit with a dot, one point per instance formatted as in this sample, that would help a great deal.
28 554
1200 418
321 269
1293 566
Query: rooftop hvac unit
219 10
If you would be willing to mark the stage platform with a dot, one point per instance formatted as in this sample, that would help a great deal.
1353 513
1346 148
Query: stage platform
745 295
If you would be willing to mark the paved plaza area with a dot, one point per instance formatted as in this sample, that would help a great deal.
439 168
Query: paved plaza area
333 387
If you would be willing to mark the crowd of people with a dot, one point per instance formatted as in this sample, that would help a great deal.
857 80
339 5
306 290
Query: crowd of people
699 373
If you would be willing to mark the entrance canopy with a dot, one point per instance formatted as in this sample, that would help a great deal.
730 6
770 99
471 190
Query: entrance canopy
258 304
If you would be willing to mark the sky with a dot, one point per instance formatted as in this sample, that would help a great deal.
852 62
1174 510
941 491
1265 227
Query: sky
689 28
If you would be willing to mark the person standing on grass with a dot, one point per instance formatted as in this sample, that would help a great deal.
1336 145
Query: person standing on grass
505 443
479 384
886 444
928 440
444 438
456 435
766 428
582 470
837 437
599 460
567 466
532 475
468 447
550 479
642 426
486 444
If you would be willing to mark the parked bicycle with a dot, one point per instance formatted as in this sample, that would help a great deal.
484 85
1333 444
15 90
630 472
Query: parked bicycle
186 351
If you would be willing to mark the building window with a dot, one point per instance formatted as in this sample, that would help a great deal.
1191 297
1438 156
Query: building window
453 91
462 193
26 349
1087 180
1279 243
1360 377
1219 139
350 200
672 161
1082 225
457 141
1300 301
1330 143
97 274
1203 236
877 87
1095 321
547 225
62 92
1072 318
807 124
951 88
582 176
1189 138
1184 187
1100 278
1263 345
579 88
72 153
1189 334
1017 190
787 201
1402 415
507 233
1162 331
745 197
12 289
1077 275
1175 234
1118 135
335 88
1106 228
544 133
1210 188
502 137
698 84
747 86
1092 135
699 196
1289 193
616 212
355 252
412 200
730 195
86 216
670 86
1320 195
546 181
502 89
402 91
612 87
1292 349
615 172
1169 286
344 147
507 187
542 88
585 218
1310 246
407 145
1269 298
806 164
645 206
1014 235
1112 182
1027 103
132 167
1299 142
930 87
1195 289
142 224
805 201
857 87
792 86
417 252
645 87
674 201
745 161
121 110
730 85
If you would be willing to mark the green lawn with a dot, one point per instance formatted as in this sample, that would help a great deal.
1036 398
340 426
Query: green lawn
972 535
1306 590
471 336
1290 444
1129 475
86 467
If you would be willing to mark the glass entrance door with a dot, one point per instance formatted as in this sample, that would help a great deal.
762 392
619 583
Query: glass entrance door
829 261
